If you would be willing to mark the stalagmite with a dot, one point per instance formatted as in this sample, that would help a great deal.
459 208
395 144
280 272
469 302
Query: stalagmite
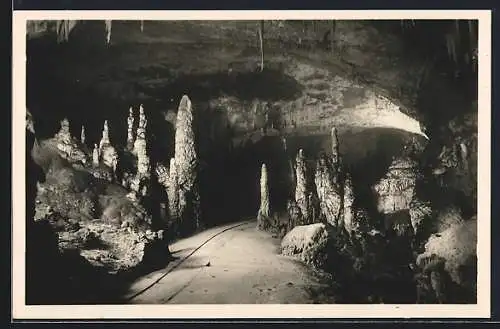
82 135
335 148
328 191
142 117
173 191
130 129
162 174
64 134
67 146
105 136
300 189
349 211
143 163
186 165
264 209
95 156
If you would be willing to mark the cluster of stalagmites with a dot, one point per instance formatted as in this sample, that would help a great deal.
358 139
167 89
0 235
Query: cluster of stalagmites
329 215
91 199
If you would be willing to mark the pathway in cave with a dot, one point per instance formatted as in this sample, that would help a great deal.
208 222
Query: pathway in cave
239 265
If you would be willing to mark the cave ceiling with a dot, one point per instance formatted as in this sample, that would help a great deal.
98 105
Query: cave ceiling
155 62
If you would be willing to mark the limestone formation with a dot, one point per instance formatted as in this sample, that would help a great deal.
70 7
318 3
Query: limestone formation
457 246
301 197
329 193
264 209
95 156
69 148
82 135
143 162
105 136
396 189
420 211
142 117
162 174
64 134
294 214
130 129
110 157
173 191
348 204
186 166
335 148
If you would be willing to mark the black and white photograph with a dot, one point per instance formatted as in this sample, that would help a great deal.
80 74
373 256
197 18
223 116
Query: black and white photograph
252 160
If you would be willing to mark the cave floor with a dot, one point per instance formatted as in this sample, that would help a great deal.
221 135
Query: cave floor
241 265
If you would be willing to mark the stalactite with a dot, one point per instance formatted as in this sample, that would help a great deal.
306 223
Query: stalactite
108 31
261 40
142 26
63 29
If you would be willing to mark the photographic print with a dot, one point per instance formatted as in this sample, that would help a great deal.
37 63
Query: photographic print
323 164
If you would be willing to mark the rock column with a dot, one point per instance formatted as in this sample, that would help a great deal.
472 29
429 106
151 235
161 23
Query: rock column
186 168
130 129
328 184
264 209
301 197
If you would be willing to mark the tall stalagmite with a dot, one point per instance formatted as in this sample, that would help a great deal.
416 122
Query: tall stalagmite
301 197
328 185
82 135
186 167
130 129
105 136
141 182
264 209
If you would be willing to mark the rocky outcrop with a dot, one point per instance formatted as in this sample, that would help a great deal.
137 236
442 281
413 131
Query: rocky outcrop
308 243
396 196
457 161
263 216
456 247
116 250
